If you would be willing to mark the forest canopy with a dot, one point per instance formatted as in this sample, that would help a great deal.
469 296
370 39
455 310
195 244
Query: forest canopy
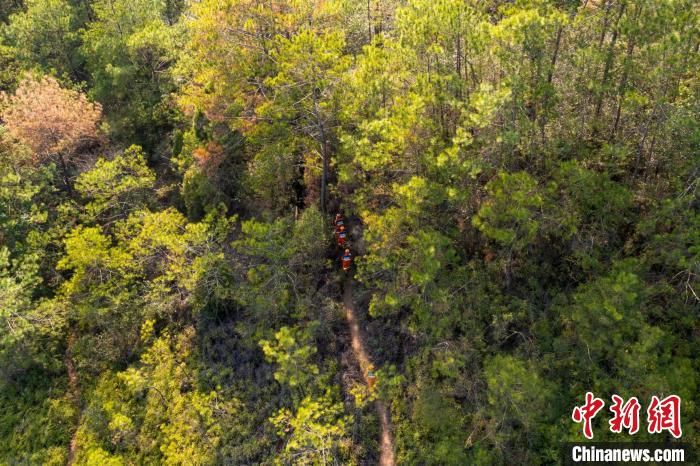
518 186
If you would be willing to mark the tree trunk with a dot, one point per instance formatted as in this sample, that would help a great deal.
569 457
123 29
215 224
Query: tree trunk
65 174
606 22
606 69
324 175
555 54
625 74
622 88
458 64
550 77
369 20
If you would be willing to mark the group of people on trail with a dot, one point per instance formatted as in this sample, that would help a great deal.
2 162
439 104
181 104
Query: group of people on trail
341 237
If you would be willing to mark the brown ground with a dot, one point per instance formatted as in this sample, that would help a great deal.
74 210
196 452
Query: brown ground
386 453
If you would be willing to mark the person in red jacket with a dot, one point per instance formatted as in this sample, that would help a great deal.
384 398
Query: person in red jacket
371 376
338 222
346 260
341 236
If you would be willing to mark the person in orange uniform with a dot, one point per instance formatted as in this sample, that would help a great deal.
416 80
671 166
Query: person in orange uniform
338 222
341 236
346 260
371 376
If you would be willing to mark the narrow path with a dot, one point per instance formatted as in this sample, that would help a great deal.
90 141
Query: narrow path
386 446
74 387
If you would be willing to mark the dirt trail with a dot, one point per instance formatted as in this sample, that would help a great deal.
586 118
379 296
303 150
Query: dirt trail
74 387
386 447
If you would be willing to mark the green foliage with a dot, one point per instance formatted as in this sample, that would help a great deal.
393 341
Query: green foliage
198 192
27 214
509 214
127 50
22 197
17 315
44 36
515 387
438 423
35 420
316 432
282 261
160 415
291 352
118 186
520 181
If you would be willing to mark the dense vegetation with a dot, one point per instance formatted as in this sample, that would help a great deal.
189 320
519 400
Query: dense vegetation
522 177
